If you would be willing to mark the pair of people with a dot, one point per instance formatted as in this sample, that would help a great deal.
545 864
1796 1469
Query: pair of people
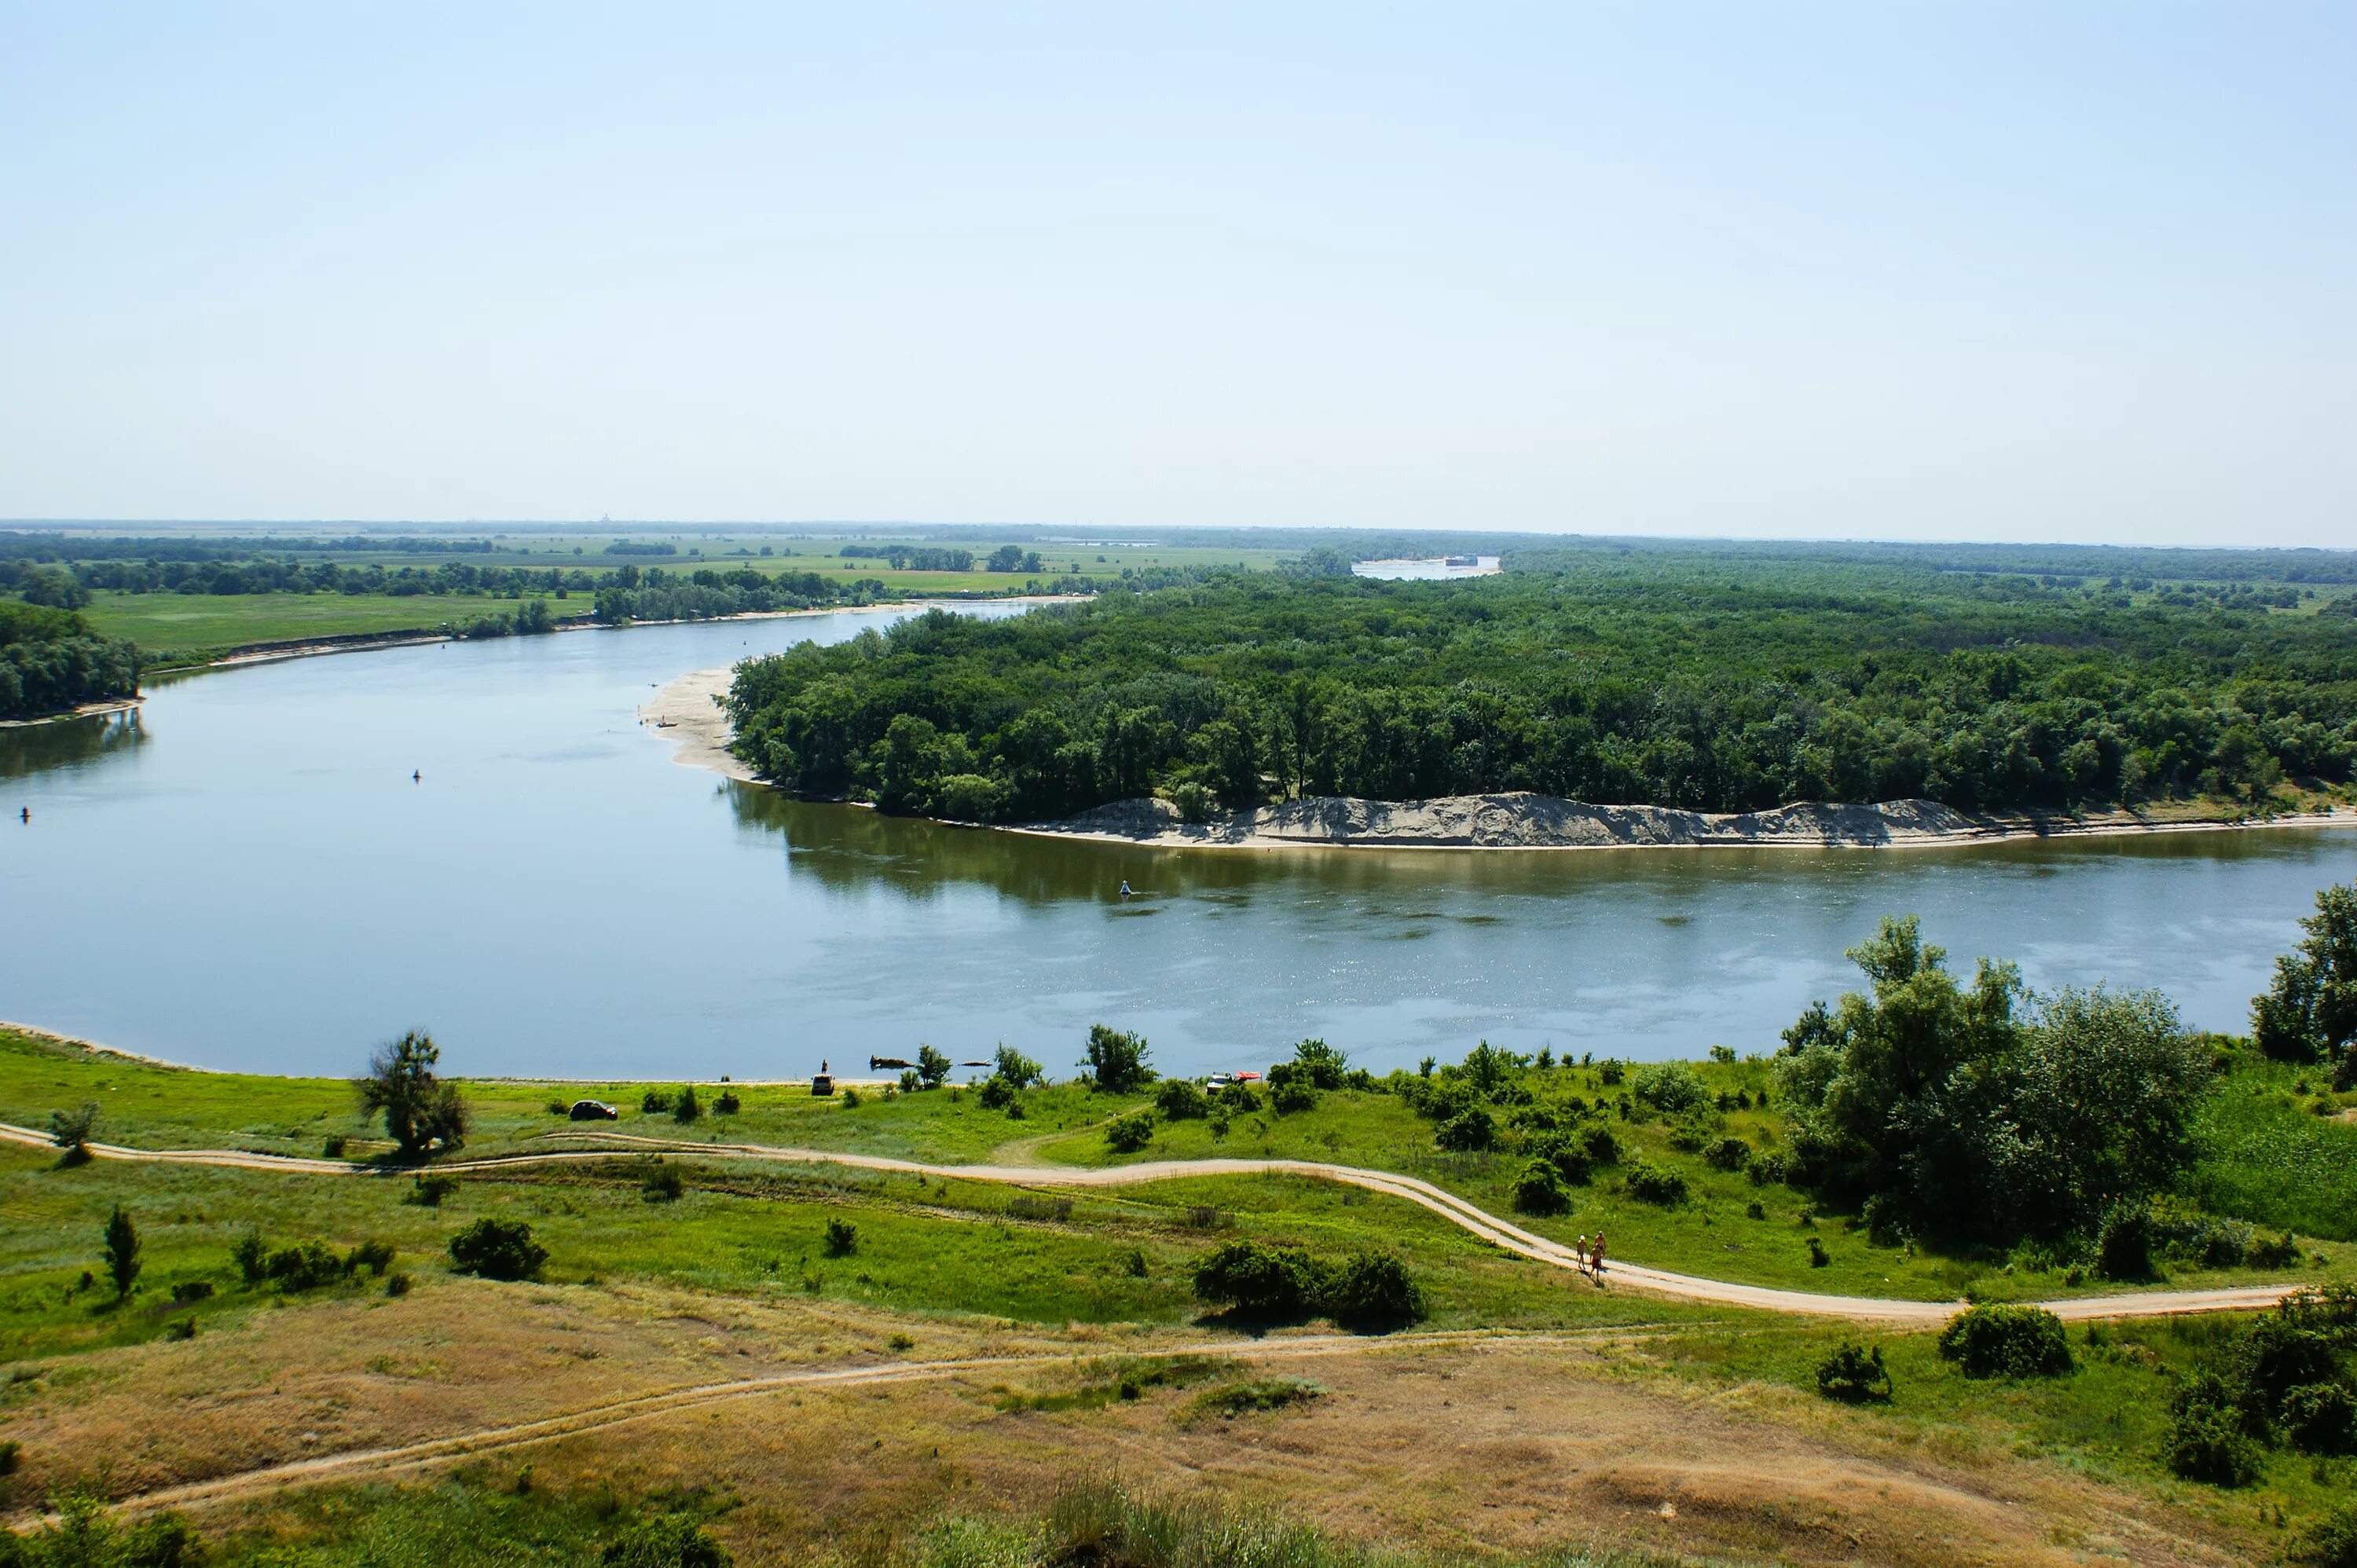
1591 1257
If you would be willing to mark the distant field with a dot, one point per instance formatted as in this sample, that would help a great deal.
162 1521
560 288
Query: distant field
193 622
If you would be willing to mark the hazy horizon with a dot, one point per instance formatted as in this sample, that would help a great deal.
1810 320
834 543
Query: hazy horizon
2024 274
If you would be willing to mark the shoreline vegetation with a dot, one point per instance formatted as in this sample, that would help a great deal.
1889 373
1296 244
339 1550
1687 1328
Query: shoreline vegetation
692 719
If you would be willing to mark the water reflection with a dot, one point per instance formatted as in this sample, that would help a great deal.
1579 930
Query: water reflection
70 743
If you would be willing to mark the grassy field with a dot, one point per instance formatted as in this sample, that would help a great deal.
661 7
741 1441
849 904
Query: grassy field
1576 1419
183 623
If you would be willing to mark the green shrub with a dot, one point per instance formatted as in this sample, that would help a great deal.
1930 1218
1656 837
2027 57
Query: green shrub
1818 1257
1601 1144
727 1104
249 1255
1610 1071
428 1191
307 1265
1237 1099
1728 1154
1181 1099
332 1146
996 1093
842 1238
2281 1353
1669 1087
2272 1251
397 1283
498 1250
664 1183
852 1099
2331 1541
669 1541
1648 1183
373 1255
1128 1135
1468 1132
1766 1170
1994 1341
1372 1290
2124 1246
181 1328
1853 1374
185 1292
658 1101
1258 1395
2321 1418
2206 1439
1539 1189
1291 1095
1256 1278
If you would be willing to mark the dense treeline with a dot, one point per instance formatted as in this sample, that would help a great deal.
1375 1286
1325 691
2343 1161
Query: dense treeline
1658 683
50 660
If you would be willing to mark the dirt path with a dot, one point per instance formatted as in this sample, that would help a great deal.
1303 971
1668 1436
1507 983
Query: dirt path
1503 1234
667 1402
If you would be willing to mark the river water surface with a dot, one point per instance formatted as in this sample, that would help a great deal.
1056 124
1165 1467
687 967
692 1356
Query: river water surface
244 875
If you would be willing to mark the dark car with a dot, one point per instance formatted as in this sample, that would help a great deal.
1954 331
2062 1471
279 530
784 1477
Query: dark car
595 1111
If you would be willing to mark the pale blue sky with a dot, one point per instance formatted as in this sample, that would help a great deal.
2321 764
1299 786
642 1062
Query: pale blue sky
1899 270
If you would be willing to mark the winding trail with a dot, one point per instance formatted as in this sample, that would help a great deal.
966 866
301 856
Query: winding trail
1501 1233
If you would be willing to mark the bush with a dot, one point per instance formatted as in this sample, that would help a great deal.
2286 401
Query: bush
2321 1418
2272 1251
1372 1290
307 1265
1818 1257
851 1100
332 1146
1128 1135
70 1130
1854 1375
498 1250
2330 1542
1669 1087
670 1541
1181 1099
1468 1132
664 1183
1995 1341
181 1328
1256 1278
185 1292
1238 1099
1648 1183
1293 1095
727 1104
657 1101
428 1191
249 1255
2206 1441
2124 1246
1603 1148
373 1255
1728 1154
397 1282
1766 1170
2281 1353
996 1093
1320 1064
842 1238
1117 1062
1539 1189
1610 1071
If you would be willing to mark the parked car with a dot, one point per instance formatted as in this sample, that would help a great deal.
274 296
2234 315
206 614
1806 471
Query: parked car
595 1111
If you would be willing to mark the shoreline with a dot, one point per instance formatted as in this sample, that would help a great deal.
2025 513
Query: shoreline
700 733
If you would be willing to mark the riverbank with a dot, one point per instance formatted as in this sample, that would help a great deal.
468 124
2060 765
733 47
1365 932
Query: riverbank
699 731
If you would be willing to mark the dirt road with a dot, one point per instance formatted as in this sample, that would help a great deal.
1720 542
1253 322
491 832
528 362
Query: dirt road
1479 1222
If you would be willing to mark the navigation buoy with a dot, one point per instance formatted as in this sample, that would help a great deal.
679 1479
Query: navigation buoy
1124 889
416 776
27 814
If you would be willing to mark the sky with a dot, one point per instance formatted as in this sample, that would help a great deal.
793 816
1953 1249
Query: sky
1899 271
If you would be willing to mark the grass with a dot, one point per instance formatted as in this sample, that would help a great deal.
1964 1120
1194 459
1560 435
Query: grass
2248 1128
176 625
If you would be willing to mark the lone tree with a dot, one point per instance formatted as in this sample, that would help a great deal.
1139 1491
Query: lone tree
419 1109
1117 1062
122 1252
70 1130
2311 1011
932 1067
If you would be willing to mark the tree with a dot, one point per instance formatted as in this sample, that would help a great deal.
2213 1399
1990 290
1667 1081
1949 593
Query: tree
70 1130
1116 1060
1320 1063
419 1110
1019 1070
687 1108
498 1250
2311 1011
122 1252
932 1066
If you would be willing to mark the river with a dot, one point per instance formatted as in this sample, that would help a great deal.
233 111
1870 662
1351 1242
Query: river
244 875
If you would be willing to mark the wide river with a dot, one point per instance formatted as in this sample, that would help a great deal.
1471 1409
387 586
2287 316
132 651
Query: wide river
245 876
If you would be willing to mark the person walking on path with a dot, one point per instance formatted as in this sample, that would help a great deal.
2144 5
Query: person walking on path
1595 1259
1580 1252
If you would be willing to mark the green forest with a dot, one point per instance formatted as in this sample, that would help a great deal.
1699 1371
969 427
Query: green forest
1718 681
51 659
